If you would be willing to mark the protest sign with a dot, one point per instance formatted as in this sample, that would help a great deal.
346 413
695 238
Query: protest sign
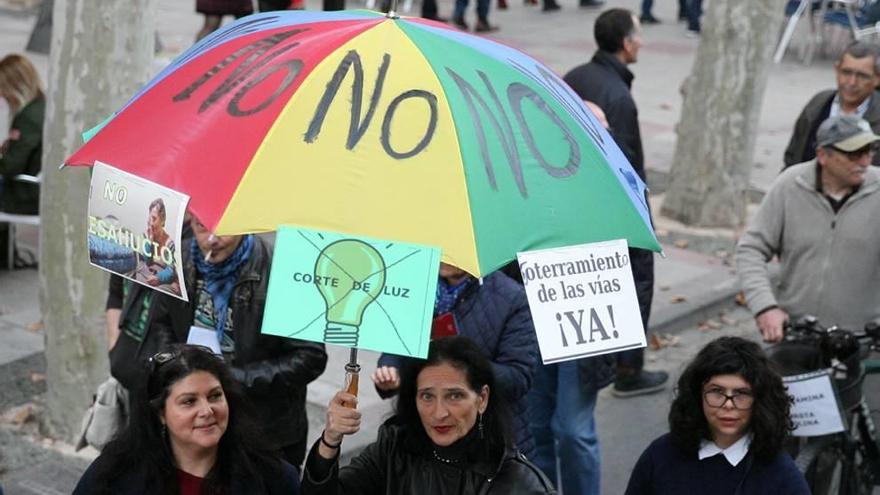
134 229
352 291
816 410
583 300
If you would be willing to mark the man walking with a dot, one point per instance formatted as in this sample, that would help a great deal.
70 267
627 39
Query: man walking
606 81
563 397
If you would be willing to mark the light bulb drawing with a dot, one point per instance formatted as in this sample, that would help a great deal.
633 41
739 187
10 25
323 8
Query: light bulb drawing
353 275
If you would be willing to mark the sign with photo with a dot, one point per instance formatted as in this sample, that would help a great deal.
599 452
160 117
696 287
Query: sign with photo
583 300
816 410
134 229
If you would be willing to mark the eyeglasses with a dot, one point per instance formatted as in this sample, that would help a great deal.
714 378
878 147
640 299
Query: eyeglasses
717 398
859 75
856 155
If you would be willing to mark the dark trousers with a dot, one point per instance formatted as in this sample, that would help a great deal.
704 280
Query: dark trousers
270 5
482 9
647 5
429 9
694 11
642 262
4 247
334 5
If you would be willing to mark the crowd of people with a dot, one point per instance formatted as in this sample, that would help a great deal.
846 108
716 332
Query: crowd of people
482 414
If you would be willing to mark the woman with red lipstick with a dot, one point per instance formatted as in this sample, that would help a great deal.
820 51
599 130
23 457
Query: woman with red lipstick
449 436
189 433
727 426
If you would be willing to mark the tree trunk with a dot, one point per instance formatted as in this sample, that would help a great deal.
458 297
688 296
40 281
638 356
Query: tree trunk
101 54
719 121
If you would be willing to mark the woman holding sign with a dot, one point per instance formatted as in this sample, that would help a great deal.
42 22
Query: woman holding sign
727 427
449 435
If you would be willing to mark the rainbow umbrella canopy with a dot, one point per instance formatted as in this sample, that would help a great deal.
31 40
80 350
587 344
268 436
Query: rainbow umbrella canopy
392 128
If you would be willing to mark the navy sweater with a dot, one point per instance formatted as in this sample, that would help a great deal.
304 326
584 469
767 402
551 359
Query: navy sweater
665 469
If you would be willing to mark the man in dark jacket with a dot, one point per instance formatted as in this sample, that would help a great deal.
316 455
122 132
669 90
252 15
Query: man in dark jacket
494 313
857 77
227 278
606 81
563 399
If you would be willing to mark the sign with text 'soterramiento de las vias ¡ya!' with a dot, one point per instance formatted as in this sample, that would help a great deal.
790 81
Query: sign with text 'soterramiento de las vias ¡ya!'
583 300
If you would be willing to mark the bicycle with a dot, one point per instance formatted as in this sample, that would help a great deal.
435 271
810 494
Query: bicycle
845 463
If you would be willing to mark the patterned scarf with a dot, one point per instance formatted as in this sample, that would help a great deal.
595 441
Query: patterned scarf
220 278
447 295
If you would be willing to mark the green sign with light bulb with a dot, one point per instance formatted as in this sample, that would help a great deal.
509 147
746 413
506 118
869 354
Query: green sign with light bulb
352 291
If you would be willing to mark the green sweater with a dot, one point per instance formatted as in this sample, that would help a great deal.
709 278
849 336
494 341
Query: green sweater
23 155
829 263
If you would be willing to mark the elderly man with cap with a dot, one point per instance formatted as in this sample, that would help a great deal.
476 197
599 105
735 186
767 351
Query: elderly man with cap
820 218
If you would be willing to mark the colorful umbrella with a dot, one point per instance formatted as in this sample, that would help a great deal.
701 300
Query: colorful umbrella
394 128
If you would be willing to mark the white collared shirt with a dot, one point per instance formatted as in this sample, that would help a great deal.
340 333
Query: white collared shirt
734 454
860 110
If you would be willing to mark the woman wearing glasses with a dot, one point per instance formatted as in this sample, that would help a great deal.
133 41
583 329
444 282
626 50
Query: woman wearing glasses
727 426
189 433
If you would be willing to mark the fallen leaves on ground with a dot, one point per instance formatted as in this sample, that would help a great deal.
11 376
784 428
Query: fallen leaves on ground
682 243
38 377
659 341
678 299
727 321
709 325
741 299
19 415
35 327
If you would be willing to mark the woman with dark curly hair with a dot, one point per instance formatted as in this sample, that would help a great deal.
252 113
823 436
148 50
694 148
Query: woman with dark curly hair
727 426
449 435
189 434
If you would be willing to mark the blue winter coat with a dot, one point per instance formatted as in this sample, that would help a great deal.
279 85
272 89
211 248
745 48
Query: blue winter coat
496 316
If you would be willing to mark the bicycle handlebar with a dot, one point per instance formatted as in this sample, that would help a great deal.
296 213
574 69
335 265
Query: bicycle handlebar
835 341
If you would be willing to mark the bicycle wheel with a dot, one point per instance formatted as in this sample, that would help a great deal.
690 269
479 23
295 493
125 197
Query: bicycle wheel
823 464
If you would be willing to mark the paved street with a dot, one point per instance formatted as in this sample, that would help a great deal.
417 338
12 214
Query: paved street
694 280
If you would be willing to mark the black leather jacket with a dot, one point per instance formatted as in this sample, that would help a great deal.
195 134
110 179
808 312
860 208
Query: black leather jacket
390 466
274 370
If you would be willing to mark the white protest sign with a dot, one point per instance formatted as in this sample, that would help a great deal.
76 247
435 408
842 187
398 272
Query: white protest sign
583 300
815 410
134 229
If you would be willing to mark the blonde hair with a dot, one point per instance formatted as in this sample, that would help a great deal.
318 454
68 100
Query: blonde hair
19 81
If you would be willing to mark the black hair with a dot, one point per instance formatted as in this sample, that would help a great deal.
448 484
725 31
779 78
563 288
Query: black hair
142 447
770 423
612 27
465 355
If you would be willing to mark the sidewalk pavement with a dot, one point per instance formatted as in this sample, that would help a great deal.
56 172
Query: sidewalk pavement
694 279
